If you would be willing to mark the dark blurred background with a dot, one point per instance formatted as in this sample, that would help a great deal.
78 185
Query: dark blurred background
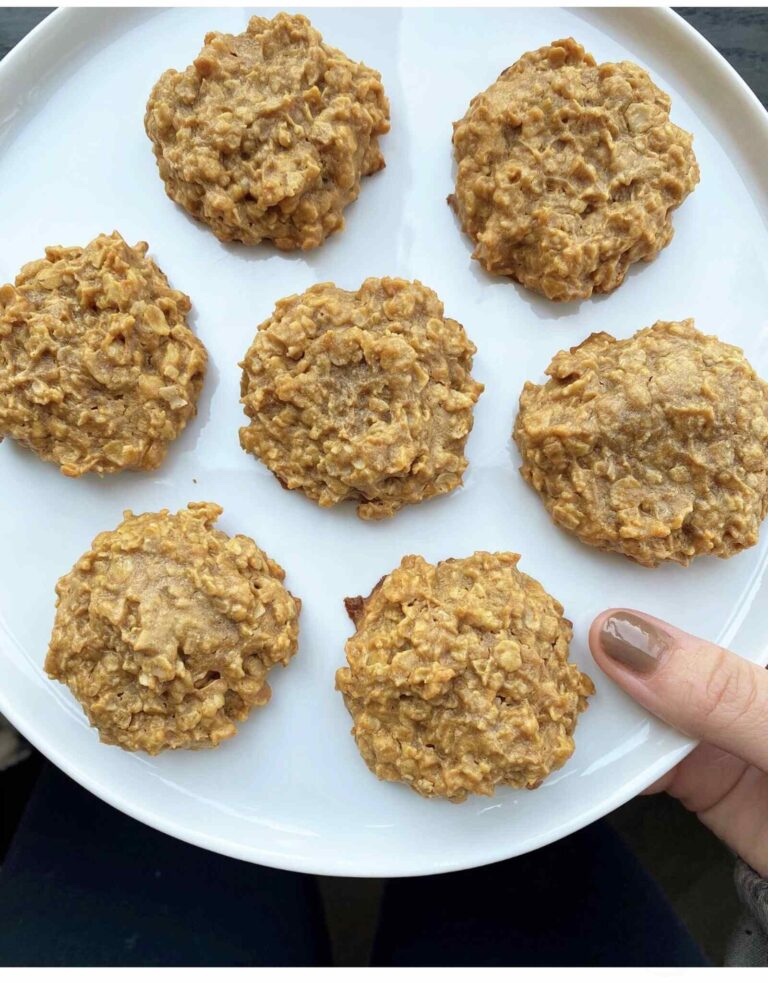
693 867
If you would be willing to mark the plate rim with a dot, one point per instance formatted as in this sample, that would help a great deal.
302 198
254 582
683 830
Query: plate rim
663 18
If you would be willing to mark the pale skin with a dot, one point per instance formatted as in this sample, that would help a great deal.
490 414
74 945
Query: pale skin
720 699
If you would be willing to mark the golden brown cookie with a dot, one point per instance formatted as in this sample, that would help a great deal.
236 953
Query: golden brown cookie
98 368
365 396
458 679
166 629
655 447
267 133
568 171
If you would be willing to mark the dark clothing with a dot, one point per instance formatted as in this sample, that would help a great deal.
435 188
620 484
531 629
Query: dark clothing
583 901
84 885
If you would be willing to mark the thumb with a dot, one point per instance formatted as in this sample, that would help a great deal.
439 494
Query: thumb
698 688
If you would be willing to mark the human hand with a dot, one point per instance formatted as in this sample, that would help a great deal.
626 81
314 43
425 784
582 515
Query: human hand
709 694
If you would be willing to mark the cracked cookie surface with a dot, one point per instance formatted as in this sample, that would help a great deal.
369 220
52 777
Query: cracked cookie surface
98 368
267 134
569 171
655 447
364 395
167 628
458 680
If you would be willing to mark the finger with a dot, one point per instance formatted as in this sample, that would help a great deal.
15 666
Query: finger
703 779
661 784
699 688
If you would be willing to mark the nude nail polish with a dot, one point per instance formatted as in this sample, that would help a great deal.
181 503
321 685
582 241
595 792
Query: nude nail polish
634 642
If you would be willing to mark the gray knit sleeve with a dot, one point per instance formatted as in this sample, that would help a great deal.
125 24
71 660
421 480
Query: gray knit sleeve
748 945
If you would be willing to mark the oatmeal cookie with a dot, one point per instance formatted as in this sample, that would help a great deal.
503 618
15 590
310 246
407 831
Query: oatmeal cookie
98 368
267 133
365 396
166 629
458 677
655 447
568 171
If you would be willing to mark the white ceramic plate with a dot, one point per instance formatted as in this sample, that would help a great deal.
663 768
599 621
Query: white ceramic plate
291 790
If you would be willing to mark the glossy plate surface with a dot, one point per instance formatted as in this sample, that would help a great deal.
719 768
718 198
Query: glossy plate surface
291 790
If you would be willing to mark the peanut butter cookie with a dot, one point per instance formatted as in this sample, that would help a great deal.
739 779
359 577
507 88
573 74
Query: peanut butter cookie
365 396
166 629
655 447
458 679
267 134
98 368
569 171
